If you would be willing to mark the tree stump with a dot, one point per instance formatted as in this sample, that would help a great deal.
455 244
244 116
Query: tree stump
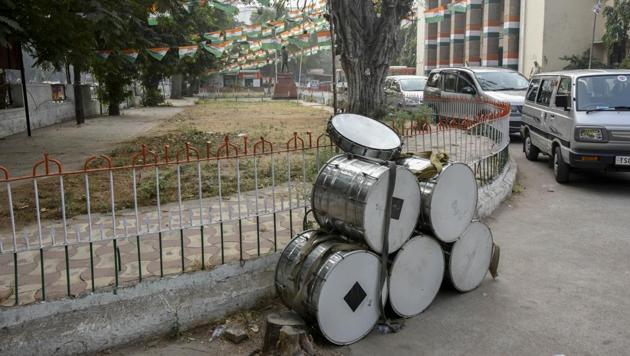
286 335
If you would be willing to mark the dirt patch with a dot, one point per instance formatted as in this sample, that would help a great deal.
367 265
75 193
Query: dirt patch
200 340
275 120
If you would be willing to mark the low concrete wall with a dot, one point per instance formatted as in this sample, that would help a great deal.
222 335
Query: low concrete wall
43 111
149 309
493 194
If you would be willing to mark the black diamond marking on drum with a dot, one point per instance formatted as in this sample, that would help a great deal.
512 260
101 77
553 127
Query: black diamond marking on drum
397 205
355 296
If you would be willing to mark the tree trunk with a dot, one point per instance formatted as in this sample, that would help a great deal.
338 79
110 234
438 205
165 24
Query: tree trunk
78 97
367 39
114 109
276 322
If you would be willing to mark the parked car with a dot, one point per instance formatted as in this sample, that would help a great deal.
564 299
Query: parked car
405 91
581 119
469 82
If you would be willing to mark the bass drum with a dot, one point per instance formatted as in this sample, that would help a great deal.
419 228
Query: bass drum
468 259
363 136
288 264
415 276
449 200
344 295
349 196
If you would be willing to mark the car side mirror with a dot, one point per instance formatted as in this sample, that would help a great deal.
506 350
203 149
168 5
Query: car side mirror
563 102
468 90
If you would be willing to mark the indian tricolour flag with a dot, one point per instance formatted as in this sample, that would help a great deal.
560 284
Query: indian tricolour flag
267 31
103 54
301 40
233 33
458 6
215 36
253 31
285 35
294 14
218 48
130 54
255 45
434 15
278 26
323 38
158 53
187 51
271 43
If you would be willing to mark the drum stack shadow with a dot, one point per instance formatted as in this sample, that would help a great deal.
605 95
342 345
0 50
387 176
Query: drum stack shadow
393 227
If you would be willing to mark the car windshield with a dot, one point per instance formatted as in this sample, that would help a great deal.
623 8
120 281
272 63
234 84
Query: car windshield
605 92
415 84
493 81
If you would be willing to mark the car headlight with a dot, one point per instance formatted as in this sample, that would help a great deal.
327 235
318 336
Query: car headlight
591 134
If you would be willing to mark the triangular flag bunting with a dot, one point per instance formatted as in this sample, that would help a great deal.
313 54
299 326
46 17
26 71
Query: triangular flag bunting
187 51
158 53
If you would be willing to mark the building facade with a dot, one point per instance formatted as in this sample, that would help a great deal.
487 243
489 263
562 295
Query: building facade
525 35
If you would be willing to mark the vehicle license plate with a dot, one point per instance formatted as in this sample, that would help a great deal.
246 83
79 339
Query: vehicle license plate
622 160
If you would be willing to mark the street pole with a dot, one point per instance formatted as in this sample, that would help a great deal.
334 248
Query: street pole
590 56
300 74
25 99
596 9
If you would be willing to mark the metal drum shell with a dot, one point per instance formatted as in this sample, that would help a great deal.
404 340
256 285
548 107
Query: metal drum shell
426 286
449 248
286 288
349 146
436 226
323 274
342 191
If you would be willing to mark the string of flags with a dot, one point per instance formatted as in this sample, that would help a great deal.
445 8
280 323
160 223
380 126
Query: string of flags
253 43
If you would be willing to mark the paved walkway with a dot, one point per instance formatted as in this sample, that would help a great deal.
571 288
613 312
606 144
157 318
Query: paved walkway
72 144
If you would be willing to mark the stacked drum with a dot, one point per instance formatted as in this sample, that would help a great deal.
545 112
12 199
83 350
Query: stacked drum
342 277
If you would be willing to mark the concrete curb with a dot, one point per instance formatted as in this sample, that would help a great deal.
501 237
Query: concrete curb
492 195
149 309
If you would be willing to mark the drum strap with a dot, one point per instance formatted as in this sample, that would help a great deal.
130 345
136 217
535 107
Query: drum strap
385 323
494 261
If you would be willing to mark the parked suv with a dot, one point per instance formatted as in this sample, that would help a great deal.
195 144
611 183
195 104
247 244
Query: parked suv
404 91
579 118
469 82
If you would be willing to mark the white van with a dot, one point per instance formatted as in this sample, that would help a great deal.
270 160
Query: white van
579 118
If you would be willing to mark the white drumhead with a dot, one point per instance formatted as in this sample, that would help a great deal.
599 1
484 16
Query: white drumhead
453 202
416 275
366 132
405 211
351 284
470 257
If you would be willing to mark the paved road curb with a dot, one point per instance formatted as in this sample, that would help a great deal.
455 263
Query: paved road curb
149 309
492 195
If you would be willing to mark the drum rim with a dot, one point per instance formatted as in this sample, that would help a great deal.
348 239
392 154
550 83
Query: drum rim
450 275
393 151
396 259
435 181
325 278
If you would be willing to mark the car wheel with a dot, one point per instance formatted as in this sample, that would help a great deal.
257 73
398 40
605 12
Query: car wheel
560 167
531 151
